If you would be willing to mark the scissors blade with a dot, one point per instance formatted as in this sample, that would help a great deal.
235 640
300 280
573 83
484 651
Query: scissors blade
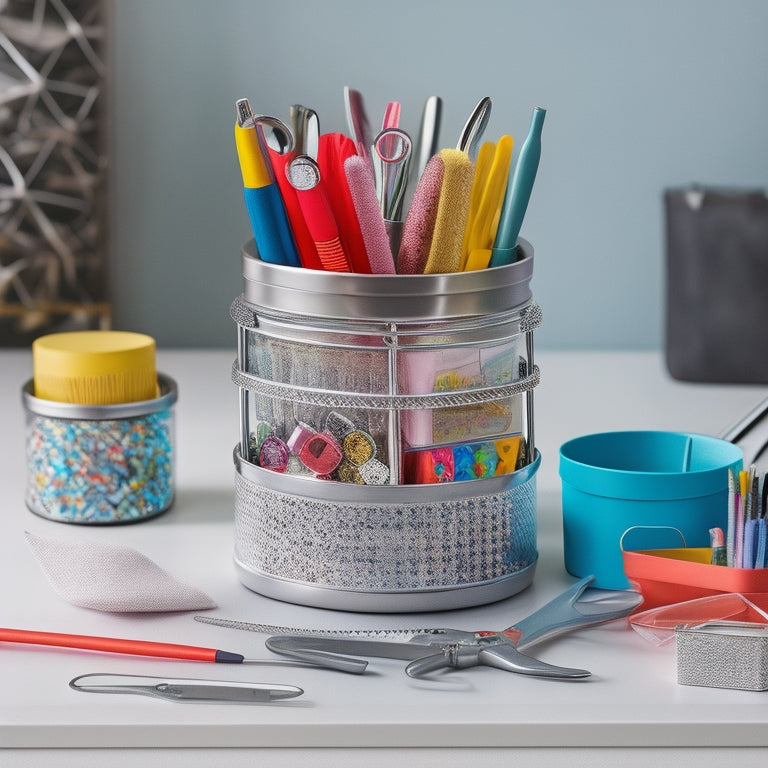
385 649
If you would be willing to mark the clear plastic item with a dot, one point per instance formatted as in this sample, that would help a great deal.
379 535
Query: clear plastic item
658 625
417 392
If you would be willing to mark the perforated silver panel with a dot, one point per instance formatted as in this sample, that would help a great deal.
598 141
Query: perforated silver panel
384 547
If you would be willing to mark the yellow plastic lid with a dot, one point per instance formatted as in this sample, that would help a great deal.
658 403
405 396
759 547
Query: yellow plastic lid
95 367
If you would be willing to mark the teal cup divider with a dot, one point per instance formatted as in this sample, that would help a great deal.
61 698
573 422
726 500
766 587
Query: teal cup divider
656 481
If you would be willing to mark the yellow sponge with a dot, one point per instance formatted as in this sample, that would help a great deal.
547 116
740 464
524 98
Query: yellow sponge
452 212
95 367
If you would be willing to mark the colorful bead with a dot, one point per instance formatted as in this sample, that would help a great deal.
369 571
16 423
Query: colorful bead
374 472
486 460
464 463
358 447
320 453
274 454
338 426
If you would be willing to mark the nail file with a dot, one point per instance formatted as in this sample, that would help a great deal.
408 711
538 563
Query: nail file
452 210
420 221
482 169
361 186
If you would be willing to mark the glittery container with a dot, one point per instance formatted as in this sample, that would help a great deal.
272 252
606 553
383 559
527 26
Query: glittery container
723 654
387 549
100 464
385 366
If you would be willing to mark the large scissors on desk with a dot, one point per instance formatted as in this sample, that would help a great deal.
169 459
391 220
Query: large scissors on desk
429 650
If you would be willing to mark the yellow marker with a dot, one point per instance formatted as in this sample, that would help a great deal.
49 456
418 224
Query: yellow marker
482 231
482 168
253 165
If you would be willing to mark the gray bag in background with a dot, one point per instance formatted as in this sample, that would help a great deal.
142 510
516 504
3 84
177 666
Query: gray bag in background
717 285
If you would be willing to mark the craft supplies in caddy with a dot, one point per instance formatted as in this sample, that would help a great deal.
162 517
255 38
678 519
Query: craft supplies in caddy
615 481
342 377
99 429
386 458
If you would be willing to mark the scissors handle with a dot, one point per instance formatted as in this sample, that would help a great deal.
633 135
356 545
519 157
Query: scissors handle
507 657
501 656
579 606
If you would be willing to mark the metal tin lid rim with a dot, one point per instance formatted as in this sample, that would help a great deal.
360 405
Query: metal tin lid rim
386 297
40 407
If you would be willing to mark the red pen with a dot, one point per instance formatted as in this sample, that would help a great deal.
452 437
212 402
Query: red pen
115 645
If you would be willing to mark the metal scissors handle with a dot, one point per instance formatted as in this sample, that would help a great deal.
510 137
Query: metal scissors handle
494 652
578 606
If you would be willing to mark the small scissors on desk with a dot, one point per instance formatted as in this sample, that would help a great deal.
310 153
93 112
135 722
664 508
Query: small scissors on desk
433 649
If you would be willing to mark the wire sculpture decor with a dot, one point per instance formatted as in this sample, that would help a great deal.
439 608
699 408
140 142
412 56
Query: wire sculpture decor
53 168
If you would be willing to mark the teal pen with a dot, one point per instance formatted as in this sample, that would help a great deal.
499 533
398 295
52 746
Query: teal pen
518 194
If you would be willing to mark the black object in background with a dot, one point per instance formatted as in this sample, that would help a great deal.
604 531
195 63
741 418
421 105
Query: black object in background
717 285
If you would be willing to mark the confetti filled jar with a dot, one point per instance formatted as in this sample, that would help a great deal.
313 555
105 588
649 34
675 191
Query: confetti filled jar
100 464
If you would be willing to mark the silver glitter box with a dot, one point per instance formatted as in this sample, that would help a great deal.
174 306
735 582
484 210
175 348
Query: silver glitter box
723 654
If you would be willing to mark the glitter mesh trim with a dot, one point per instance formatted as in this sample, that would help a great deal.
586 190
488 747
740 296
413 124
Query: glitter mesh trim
531 318
242 314
385 547
381 402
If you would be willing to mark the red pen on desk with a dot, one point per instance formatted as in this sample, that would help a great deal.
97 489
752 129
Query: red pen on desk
168 650
115 645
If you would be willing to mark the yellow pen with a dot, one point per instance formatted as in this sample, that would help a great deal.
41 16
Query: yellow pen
266 211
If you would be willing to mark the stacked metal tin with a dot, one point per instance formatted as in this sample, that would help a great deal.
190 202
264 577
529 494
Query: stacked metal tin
386 459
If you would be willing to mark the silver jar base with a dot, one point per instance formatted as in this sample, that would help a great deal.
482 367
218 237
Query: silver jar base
386 549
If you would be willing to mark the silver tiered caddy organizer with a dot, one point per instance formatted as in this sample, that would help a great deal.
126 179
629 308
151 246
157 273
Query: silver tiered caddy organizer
419 367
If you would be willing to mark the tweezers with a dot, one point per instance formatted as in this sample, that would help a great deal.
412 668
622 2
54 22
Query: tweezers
185 689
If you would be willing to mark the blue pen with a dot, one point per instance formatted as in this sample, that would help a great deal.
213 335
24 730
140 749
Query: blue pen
761 543
518 194
750 544
269 220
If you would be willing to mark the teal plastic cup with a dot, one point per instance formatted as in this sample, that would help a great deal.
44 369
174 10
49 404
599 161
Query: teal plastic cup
653 481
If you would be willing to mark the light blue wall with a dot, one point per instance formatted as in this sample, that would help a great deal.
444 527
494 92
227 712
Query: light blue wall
641 95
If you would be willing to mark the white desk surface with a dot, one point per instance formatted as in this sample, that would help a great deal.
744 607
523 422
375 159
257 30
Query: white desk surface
632 699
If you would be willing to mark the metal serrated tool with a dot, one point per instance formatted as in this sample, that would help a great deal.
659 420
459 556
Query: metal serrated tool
578 606
275 629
